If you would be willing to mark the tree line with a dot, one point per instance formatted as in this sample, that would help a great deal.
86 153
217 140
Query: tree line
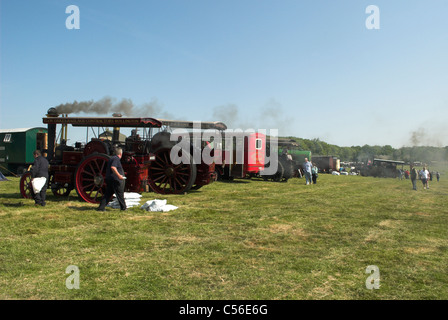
424 154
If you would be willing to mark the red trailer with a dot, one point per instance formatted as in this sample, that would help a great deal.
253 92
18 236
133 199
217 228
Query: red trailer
326 164
241 155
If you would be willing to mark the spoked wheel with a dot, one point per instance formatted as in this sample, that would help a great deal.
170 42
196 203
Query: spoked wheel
60 189
165 177
91 177
288 170
25 185
279 174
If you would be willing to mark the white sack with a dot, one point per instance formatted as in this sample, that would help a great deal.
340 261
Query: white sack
131 199
158 205
38 184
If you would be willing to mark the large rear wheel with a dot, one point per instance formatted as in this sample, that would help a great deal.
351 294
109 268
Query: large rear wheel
165 177
90 177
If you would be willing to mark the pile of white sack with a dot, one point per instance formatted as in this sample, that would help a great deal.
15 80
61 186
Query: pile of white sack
131 199
157 205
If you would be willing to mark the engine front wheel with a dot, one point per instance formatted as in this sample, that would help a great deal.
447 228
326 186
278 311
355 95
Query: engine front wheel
60 189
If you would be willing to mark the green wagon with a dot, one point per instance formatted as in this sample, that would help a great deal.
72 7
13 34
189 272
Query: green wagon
17 146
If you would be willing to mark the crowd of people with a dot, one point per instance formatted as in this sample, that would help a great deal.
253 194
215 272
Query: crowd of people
424 175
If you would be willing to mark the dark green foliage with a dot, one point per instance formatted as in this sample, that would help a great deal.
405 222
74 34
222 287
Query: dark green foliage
424 154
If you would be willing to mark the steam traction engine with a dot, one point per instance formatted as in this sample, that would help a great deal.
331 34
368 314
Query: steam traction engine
146 160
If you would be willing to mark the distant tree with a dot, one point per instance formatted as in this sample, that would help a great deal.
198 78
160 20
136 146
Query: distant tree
356 153
387 150
317 147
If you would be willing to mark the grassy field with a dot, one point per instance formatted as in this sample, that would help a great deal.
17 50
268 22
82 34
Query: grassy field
246 239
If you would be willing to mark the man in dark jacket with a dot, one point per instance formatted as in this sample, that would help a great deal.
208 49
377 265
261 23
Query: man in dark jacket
115 181
39 170
414 176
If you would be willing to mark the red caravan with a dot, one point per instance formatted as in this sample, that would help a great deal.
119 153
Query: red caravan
243 155
236 154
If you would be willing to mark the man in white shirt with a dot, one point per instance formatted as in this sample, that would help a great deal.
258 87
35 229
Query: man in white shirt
424 174
307 166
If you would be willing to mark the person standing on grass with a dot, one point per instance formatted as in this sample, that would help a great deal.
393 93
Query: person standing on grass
39 170
414 175
115 181
307 168
424 175
438 175
314 171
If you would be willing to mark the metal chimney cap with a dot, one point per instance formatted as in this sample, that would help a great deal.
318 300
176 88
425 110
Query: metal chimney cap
52 112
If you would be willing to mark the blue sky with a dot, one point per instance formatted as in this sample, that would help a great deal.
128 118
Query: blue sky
308 68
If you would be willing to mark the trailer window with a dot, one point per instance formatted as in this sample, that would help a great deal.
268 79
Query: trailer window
7 138
258 144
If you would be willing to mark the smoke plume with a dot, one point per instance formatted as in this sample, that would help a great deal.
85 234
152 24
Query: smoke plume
108 105
227 114
434 137
268 116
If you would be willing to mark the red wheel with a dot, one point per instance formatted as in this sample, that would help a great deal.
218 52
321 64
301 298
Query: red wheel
90 177
25 185
165 177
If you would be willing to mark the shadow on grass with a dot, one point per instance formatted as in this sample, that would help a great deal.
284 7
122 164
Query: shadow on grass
82 208
234 181
11 196
14 205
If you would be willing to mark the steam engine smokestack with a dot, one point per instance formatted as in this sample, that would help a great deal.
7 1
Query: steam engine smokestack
52 112
116 132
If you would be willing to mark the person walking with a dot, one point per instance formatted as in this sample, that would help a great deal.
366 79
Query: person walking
307 168
115 181
314 172
414 175
39 171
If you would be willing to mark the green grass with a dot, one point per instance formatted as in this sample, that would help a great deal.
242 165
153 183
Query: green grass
248 239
